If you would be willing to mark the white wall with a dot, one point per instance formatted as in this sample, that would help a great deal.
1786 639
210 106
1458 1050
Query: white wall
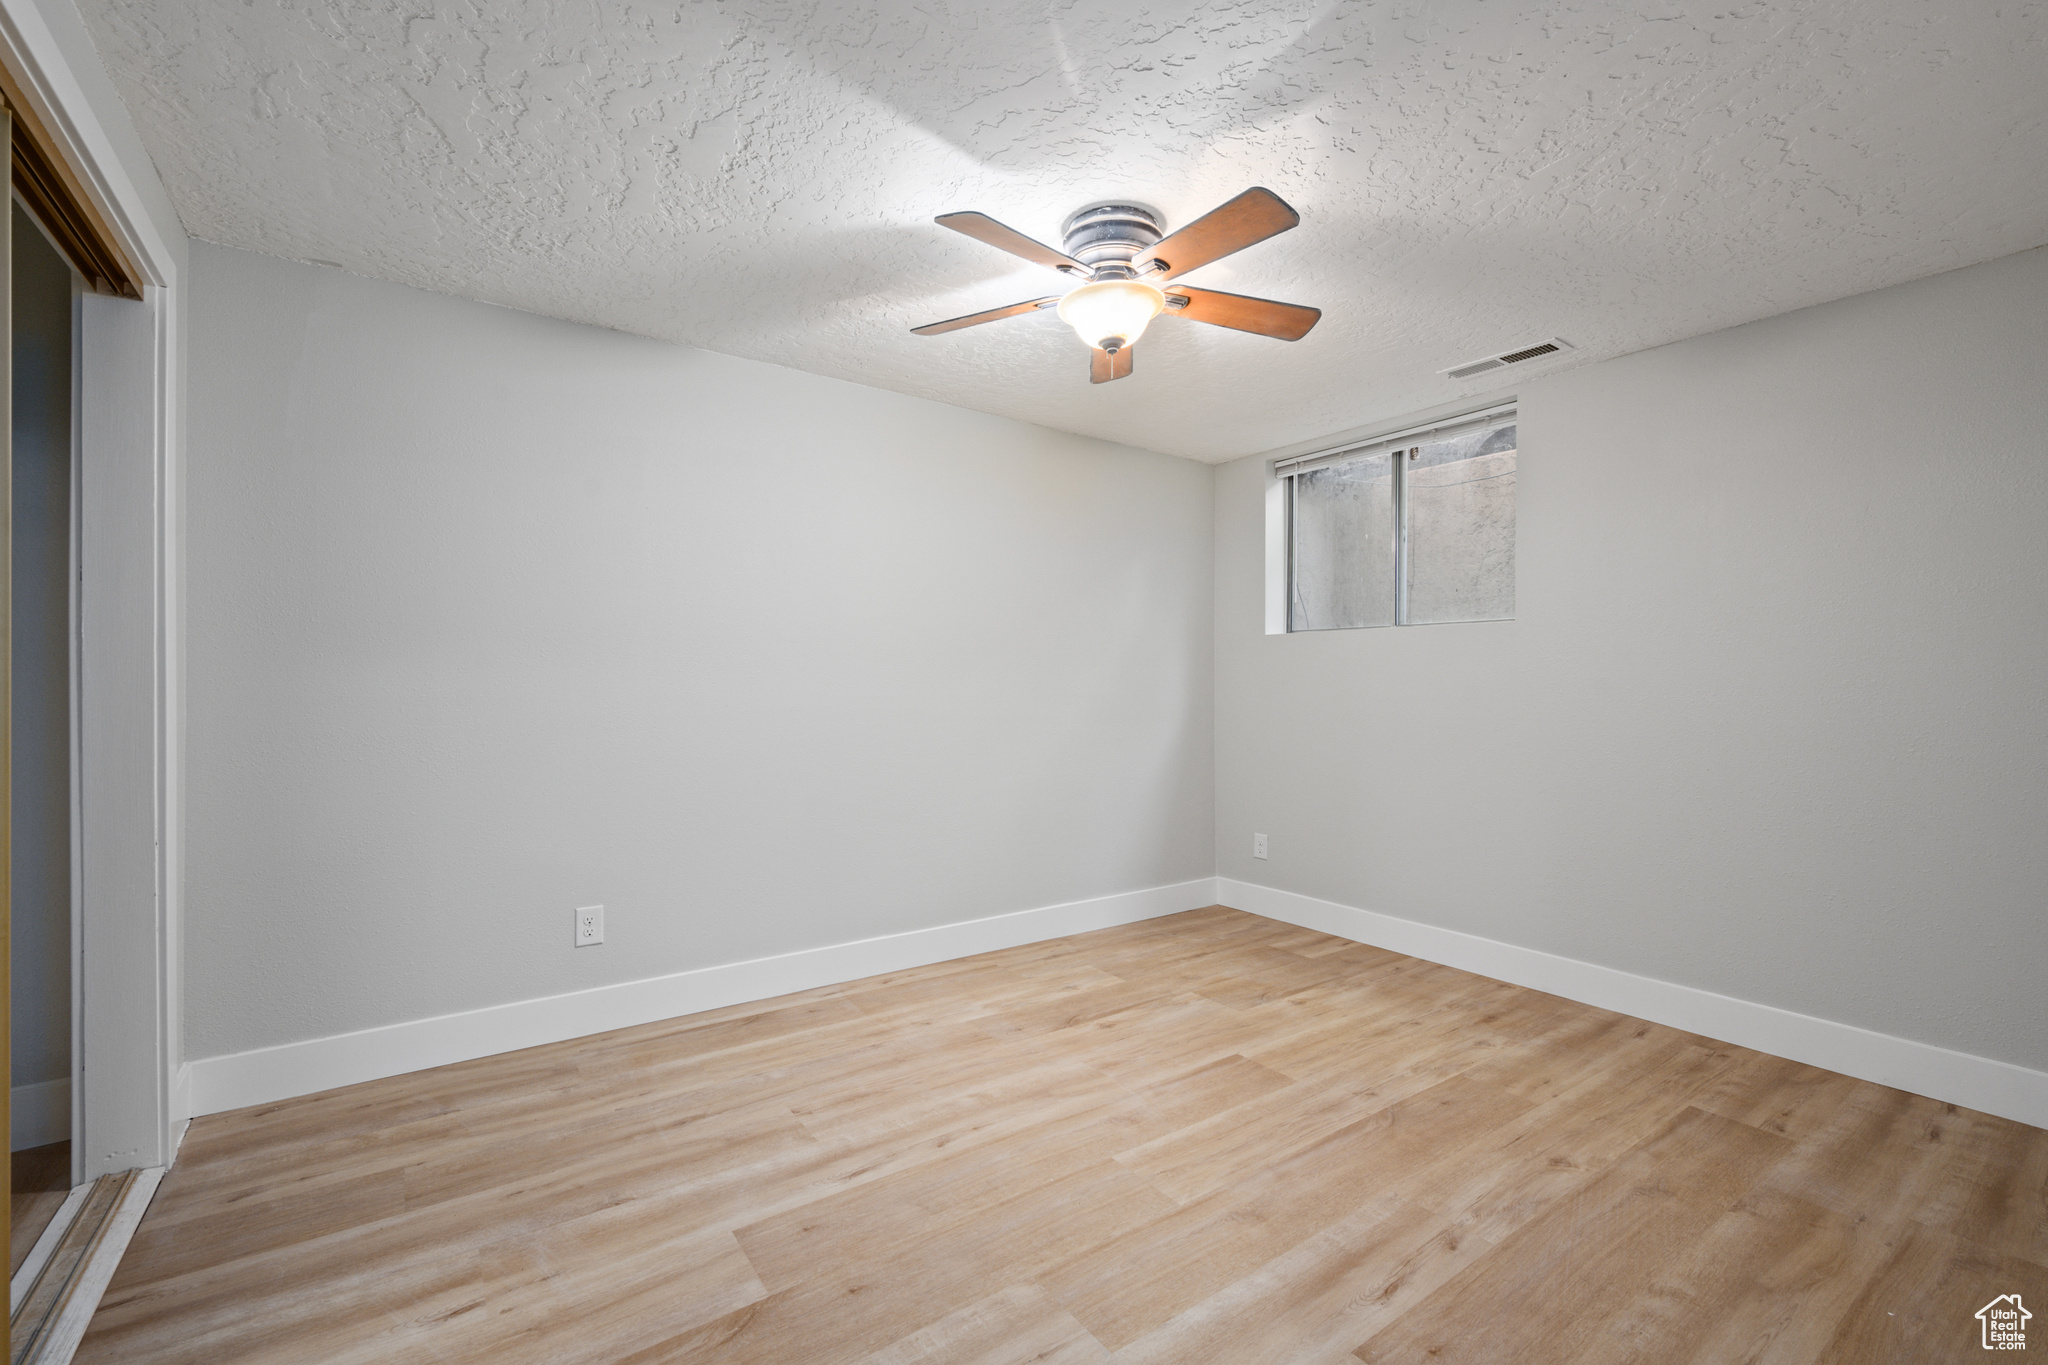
492 616
1771 720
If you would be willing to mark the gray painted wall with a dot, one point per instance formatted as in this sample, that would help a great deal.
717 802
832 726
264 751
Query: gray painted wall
41 872
491 616
1773 718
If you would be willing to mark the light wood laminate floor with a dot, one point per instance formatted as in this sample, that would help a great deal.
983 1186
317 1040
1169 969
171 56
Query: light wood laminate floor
41 1179
1207 1138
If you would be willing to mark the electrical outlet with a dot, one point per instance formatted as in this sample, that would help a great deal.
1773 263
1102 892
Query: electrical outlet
1258 845
589 925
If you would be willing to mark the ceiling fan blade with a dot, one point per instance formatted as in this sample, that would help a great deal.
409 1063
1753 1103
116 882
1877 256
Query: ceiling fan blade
1252 217
932 329
1103 367
1287 321
983 228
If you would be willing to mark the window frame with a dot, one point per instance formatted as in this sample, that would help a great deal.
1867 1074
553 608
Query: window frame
1402 446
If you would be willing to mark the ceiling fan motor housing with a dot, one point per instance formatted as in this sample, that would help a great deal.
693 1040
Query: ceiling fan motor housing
1111 235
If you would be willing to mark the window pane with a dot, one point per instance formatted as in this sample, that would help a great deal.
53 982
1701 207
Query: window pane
1344 546
1461 529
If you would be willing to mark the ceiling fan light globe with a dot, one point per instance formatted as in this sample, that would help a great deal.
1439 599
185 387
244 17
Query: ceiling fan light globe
1111 311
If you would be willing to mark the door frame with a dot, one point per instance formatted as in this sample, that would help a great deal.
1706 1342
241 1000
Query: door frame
129 1102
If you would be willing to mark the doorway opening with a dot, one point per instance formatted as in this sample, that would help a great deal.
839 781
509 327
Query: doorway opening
45 293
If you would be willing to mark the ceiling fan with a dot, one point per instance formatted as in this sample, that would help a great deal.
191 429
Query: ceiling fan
1120 254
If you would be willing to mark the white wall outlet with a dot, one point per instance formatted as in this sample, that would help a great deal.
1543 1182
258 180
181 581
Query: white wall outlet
1258 845
589 925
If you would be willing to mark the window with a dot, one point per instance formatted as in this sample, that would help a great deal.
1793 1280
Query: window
1413 529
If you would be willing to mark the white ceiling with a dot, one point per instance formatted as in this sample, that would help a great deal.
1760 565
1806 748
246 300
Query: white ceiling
760 179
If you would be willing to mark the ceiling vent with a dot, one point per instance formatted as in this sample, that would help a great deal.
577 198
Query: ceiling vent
1506 358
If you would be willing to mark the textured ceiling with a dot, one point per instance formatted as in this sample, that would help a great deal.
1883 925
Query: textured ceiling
760 179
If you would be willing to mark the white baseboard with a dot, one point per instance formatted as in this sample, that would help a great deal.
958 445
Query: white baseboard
267 1074
2013 1092
214 1084
39 1114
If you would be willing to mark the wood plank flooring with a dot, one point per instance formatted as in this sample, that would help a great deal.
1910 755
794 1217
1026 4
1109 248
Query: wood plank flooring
41 1178
1207 1138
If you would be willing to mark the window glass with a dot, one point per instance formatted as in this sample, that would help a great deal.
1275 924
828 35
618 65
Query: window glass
1461 529
1343 533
